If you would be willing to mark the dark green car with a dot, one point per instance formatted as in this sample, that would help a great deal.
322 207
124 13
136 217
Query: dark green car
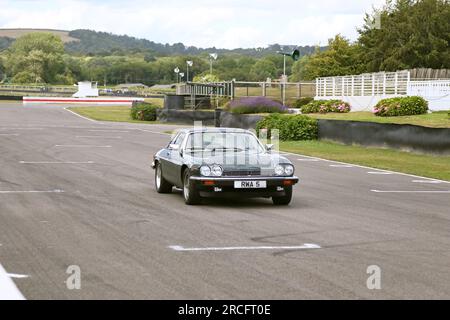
223 162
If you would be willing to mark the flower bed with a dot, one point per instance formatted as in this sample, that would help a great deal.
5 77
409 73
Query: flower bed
401 106
326 106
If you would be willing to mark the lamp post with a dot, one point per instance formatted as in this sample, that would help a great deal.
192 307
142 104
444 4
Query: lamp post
295 55
181 76
188 64
177 71
212 57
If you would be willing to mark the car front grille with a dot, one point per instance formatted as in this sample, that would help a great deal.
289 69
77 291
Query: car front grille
247 172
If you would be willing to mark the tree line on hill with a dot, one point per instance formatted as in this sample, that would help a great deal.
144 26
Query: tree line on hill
404 34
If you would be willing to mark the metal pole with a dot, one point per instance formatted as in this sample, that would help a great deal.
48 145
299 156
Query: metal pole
284 79
210 66
187 73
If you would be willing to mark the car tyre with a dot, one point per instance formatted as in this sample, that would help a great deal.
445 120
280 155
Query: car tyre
161 184
190 192
283 200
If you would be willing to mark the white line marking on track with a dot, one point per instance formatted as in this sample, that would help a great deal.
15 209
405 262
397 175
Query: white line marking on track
79 146
306 246
427 181
365 167
380 173
80 116
101 137
9 134
8 290
411 191
56 162
115 131
155 132
341 166
17 276
308 160
29 191
3 129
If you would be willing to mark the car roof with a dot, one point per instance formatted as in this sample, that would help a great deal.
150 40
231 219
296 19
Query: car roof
214 130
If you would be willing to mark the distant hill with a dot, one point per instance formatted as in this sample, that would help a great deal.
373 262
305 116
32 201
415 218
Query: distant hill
15 33
102 43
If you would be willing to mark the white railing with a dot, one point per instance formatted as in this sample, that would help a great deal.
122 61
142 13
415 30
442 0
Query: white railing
365 90
364 85
430 88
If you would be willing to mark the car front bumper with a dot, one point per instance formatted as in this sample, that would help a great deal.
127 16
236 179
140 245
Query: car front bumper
224 186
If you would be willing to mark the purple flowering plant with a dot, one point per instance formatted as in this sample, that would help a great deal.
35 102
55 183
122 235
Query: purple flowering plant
251 105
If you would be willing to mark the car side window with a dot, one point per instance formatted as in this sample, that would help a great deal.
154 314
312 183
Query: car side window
179 139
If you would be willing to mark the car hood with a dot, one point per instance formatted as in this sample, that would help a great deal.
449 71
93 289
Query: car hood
233 159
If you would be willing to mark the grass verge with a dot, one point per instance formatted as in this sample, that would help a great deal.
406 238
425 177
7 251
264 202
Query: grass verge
156 101
437 167
110 113
434 120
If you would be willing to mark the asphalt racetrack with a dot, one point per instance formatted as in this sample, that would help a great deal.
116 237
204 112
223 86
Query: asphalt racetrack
75 192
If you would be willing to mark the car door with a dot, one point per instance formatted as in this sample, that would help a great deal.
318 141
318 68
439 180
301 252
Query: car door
174 161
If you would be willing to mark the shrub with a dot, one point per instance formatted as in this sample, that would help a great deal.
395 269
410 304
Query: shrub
143 111
295 128
256 105
326 106
401 106
302 102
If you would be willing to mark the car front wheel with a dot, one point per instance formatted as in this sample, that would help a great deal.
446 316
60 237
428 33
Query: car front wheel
190 192
161 184
283 200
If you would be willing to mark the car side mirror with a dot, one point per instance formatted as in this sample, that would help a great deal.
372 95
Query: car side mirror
174 147
269 147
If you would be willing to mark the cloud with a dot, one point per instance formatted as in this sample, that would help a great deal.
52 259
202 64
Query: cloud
225 24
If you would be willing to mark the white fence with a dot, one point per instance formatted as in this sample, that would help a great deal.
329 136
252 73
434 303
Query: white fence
364 91
429 88
374 84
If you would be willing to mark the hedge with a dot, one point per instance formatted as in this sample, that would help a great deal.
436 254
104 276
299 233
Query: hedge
294 128
401 106
143 111
326 106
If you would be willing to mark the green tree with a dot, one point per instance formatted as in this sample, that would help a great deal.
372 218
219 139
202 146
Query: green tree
341 58
412 34
206 78
37 57
263 69
2 69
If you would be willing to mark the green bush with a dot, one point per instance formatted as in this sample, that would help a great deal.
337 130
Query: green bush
302 102
143 111
326 106
401 106
294 128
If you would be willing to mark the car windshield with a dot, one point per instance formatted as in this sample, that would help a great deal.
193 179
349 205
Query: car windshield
223 142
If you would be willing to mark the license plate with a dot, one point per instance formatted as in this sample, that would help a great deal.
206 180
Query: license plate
250 184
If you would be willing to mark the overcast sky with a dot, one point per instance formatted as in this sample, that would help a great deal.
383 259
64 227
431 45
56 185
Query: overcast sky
202 23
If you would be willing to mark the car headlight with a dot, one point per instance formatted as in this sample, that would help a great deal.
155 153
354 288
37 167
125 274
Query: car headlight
205 171
289 170
279 170
216 171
